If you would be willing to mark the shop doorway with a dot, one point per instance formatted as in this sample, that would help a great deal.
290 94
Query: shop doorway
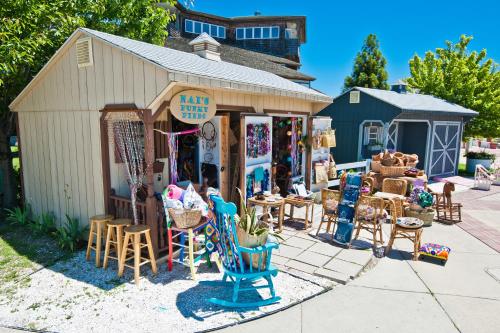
187 153
288 151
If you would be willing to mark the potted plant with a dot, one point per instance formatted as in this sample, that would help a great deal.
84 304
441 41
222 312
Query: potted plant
482 157
251 232
420 205
375 146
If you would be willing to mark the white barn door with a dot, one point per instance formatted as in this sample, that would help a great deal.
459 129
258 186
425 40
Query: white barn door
445 148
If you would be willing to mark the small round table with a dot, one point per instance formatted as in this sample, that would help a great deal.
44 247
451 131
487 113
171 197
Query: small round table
409 228
266 204
299 203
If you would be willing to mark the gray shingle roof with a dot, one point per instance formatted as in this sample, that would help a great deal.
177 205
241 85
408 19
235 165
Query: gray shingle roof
189 63
240 56
416 102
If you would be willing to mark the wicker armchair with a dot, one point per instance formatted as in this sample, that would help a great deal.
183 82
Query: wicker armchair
329 202
394 185
369 182
370 215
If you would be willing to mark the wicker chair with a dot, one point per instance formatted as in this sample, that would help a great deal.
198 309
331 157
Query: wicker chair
370 215
329 201
394 185
369 182
398 231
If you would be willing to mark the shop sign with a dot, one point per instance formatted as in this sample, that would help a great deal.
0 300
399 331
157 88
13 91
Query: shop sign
193 106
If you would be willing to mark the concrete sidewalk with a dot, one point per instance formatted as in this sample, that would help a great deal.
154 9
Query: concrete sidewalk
400 295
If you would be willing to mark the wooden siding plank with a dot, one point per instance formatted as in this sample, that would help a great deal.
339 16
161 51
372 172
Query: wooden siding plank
87 153
91 93
161 80
117 75
55 175
109 97
99 74
67 85
82 88
149 83
39 181
67 163
59 136
63 100
76 165
96 172
139 96
73 69
128 79
48 174
26 154
81 156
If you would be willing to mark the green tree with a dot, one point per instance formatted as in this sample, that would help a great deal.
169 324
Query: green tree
369 67
462 77
32 30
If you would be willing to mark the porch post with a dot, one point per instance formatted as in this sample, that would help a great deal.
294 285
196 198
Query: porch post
151 205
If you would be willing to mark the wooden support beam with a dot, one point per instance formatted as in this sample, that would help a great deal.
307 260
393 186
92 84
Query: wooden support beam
106 177
149 156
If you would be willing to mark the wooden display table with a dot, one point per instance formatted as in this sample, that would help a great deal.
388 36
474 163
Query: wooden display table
294 201
266 204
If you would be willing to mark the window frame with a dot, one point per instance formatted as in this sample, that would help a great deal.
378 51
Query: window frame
219 29
274 28
373 134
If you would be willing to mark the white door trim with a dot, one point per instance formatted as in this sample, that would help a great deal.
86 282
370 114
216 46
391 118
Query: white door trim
445 152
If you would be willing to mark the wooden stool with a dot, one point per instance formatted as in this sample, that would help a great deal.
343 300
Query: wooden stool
115 237
133 234
408 228
97 228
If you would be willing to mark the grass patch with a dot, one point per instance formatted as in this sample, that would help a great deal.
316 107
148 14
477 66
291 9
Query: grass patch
463 172
22 252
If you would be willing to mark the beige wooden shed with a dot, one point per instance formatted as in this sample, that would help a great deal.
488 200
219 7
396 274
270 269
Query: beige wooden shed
67 157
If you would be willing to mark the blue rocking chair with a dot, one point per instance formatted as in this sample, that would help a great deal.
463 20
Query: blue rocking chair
231 256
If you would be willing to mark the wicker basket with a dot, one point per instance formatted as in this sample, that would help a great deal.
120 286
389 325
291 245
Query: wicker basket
375 166
426 215
185 218
393 171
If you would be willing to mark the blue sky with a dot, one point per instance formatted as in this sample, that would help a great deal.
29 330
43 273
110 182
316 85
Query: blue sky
336 30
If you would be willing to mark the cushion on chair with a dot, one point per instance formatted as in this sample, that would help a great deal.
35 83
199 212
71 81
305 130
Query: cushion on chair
435 250
331 206
368 213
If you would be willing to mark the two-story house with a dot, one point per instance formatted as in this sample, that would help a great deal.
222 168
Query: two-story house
270 43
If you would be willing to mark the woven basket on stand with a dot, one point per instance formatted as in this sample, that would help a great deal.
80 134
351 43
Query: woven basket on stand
185 218
393 171
426 215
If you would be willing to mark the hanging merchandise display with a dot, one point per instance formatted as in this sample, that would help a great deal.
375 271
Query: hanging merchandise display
172 141
129 145
332 168
321 172
258 140
350 184
257 182
208 135
316 139
294 149
328 138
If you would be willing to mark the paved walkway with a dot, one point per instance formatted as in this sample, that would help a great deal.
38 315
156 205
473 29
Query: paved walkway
400 295
306 254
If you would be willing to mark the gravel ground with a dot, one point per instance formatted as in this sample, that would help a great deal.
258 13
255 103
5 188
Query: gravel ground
75 296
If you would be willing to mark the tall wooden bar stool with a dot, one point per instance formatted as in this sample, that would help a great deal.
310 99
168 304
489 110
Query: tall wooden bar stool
115 237
97 229
133 235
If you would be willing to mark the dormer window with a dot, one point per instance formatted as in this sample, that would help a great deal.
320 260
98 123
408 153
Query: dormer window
258 33
197 27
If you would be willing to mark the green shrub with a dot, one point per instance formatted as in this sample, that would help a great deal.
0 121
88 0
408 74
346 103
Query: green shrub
480 155
70 234
18 215
44 224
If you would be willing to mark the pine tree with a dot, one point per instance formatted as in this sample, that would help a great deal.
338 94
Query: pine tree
369 67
